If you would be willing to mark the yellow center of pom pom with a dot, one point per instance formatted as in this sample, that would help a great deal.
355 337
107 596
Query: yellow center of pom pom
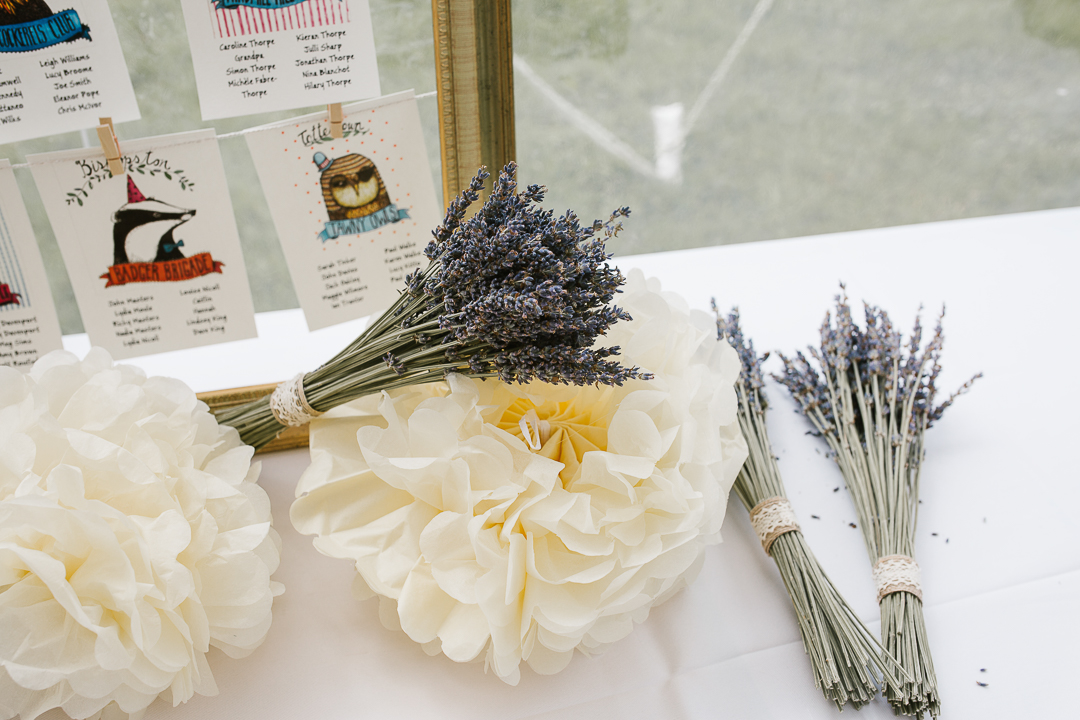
562 431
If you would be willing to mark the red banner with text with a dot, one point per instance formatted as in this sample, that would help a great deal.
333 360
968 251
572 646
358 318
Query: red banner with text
167 271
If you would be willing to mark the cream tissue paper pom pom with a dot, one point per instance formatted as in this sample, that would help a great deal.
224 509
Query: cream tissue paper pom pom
515 523
132 538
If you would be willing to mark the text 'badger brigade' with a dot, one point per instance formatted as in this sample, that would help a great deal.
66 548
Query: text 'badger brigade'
143 229
351 186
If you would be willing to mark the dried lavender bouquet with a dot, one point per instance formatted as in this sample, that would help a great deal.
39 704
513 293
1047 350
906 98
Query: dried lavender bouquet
873 403
849 664
513 292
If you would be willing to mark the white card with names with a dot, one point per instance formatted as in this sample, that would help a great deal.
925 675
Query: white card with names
28 324
61 68
254 56
153 254
353 214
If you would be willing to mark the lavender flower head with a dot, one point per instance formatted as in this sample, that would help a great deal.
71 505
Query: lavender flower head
533 287
875 366
729 329
512 292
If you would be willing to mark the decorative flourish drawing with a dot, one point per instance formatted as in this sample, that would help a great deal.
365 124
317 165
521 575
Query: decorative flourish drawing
96 172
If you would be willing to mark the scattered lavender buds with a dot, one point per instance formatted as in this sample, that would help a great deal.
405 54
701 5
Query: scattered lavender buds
513 292
871 396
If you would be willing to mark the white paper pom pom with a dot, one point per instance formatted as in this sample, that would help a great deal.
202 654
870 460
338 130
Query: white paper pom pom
132 538
519 523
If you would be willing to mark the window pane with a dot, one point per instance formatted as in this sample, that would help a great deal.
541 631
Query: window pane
738 120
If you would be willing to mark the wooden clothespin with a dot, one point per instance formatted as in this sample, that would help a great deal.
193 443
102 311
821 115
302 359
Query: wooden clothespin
107 135
336 119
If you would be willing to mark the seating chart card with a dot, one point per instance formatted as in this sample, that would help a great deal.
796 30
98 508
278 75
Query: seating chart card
61 68
355 214
28 324
255 56
153 254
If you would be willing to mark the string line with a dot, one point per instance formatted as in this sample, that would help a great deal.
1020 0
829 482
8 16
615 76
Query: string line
225 136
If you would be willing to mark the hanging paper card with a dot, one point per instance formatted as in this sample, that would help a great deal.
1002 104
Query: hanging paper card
153 254
61 68
355 214
255 56
28 324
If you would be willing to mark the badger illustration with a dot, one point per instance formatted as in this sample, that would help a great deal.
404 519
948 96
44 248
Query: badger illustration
15 12
143 229
351 186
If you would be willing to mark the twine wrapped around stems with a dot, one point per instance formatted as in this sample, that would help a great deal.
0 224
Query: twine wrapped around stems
771 518
897 573
290 406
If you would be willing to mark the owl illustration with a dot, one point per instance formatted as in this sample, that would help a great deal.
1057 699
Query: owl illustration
351 186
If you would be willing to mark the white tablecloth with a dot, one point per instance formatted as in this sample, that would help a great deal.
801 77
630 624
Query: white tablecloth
998 531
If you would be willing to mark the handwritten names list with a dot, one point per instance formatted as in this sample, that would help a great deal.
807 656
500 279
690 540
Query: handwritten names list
68 85
297 58
20 341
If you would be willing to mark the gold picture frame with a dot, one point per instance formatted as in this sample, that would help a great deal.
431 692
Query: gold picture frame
474 72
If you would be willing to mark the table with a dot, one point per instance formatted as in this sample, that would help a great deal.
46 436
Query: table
998 537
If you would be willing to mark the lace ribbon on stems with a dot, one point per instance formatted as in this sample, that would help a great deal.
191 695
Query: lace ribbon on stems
771 518
289 405
897 573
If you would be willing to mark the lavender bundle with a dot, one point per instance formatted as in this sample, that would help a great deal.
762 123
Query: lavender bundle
512 292
873 404
849 665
